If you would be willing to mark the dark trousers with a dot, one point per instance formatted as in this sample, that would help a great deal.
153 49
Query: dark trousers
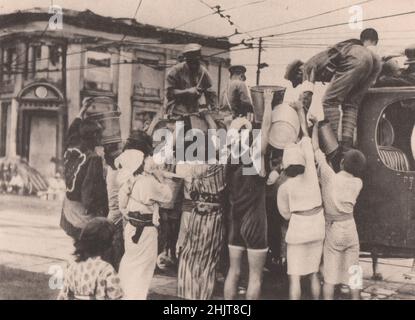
353 77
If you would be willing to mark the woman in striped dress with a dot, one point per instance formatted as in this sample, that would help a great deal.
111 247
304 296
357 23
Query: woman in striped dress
204 235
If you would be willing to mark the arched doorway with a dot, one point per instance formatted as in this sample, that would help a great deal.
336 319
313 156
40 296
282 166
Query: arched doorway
41 126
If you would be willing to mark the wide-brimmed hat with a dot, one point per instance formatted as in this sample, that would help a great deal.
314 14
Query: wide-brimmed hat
293 155
192 49
237 68
292 70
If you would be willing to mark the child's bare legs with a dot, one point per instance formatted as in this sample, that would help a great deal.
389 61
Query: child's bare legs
355 294
256 262
328 291
234 272
315 286
295 287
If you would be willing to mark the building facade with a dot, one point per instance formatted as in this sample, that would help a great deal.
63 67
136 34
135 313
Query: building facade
45 74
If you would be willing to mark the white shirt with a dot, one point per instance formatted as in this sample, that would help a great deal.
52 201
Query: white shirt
318 89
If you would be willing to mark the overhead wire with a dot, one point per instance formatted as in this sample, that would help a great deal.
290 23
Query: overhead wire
218 10
308 17
213 13
332 25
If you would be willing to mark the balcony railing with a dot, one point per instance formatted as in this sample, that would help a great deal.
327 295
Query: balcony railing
98 86
147 93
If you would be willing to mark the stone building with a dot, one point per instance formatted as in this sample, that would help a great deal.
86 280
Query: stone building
45 72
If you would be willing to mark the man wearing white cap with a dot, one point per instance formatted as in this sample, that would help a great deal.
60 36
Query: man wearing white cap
187 82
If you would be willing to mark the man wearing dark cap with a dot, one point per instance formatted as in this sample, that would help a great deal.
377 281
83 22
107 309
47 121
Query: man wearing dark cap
351 68
187 82
236 96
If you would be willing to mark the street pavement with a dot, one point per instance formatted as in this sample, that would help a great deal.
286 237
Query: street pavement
31 240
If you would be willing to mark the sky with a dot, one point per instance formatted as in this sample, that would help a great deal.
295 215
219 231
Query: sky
272 17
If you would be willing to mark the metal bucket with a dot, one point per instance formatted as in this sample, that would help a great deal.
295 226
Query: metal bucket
285 126
257 94
176 185
327 138
105 111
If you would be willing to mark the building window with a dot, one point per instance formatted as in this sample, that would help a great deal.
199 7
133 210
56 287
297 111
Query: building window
142 119
9 61
4 111
55 53
98 71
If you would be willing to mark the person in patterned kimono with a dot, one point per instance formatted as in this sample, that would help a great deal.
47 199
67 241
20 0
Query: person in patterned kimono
89 277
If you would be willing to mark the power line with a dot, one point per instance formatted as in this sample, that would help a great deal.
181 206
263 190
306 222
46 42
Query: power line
332 25
232 50
307 18
213 13
218 10
334 38
134 17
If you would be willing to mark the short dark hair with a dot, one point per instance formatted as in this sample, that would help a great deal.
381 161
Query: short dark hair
95 239
140 140
369 34
354 162
244 109
294 170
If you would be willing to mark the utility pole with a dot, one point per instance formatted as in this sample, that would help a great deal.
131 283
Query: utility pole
258 72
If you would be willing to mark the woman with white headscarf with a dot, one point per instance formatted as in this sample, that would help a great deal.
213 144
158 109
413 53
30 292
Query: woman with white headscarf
299 201
141 192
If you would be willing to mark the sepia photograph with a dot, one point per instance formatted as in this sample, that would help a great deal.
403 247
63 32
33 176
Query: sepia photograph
211 150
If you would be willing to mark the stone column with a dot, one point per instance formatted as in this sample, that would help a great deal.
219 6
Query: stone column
115 60
61 133
11 151
74 79
125 92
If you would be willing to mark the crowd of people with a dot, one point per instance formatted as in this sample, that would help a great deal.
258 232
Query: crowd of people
113 203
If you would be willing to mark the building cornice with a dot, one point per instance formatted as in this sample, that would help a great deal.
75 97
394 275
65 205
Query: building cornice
128 27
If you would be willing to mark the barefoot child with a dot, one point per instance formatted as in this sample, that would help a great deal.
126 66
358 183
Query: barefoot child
339 191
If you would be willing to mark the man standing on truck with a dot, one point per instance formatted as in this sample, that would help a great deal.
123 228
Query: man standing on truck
236 96
188 83
351 67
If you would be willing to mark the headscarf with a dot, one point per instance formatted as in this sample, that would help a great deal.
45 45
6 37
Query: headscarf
128 163
293 155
